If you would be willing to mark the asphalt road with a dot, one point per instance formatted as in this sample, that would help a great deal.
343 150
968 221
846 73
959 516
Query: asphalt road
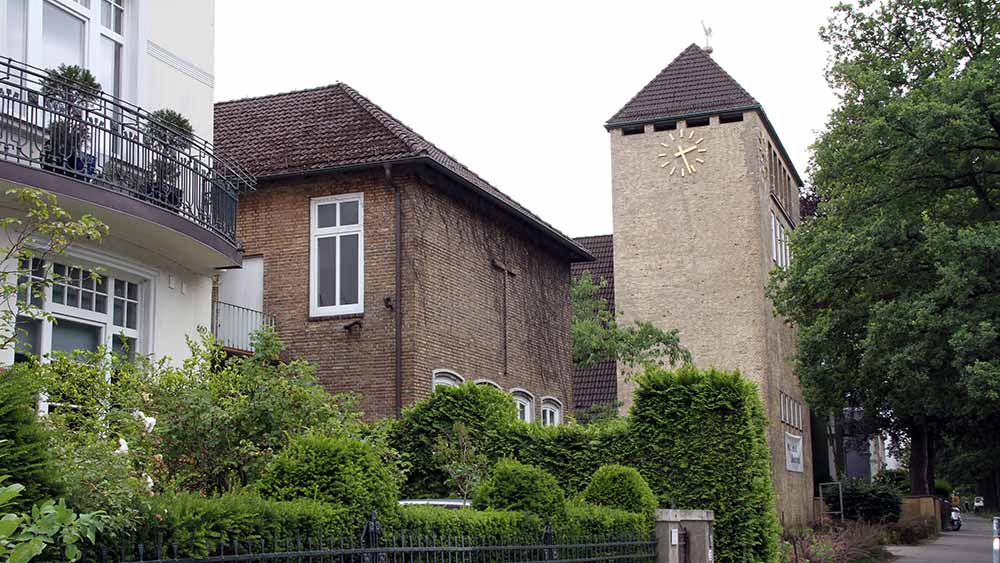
971 544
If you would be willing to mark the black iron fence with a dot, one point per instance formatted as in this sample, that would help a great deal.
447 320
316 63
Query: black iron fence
374 547
67 128
233 325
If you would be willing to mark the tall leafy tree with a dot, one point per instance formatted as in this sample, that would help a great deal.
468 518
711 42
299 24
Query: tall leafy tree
597 336
895 287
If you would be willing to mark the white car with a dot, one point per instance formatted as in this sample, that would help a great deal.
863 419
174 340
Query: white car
978 504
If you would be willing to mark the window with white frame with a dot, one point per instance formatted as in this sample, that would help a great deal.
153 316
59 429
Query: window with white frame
792 412
446 378
489 382
525 405
551 412
87 33
88 309
780 249
337 257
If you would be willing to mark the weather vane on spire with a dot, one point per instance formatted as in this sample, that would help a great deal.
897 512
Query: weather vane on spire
708 37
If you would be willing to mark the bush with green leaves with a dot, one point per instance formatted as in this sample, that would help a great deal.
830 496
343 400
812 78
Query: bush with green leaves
486 412
617 486
198 524
490 525
339 470
50 529
704 446
24 456
898 480
516 486
580 520
870 502
942 488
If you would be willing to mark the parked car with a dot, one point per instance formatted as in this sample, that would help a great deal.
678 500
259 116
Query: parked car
978 504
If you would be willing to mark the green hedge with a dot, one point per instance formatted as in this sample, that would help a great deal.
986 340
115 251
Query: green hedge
705 447
697 437
24 450
490 525
198 524
871 502
617 486
580 520
342 471
515 486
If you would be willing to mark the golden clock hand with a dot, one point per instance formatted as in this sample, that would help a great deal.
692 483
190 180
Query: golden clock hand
683 154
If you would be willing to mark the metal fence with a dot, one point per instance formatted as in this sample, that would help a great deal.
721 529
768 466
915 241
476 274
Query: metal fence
233 325
374 547
70 129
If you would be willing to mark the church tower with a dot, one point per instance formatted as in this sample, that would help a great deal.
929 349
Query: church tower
705 198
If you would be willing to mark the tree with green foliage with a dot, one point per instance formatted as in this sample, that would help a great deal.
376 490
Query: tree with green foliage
597 336
464 464
24 450
894 287
42 230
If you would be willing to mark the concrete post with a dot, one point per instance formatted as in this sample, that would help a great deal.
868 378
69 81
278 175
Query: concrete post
669 527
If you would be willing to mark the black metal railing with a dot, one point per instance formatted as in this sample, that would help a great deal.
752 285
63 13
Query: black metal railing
67 128
233 325
374 547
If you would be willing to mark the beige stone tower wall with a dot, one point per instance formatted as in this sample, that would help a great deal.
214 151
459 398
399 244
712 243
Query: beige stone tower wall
693 253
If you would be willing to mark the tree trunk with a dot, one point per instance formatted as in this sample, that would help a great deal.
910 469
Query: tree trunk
931 438
919 470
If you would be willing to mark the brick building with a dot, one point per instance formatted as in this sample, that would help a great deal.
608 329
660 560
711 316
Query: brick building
704 197
388 264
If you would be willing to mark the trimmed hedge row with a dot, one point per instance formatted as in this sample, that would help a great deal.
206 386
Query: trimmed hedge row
697 436
197 524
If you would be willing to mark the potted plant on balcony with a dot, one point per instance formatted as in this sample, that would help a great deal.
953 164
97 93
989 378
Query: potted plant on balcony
69 93
168 135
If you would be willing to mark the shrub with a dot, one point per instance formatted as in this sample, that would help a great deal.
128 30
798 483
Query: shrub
685 420
852 541
911 533
896 479
338 470
488 414
872 502
942 488
515 486
579 520
491 525
198 524
24 454
617 486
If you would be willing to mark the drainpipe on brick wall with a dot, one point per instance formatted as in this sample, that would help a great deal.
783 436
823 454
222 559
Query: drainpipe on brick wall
397 301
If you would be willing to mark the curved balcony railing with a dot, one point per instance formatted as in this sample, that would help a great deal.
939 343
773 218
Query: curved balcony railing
66 128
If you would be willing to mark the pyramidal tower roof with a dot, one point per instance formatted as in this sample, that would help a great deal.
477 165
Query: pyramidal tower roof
692 84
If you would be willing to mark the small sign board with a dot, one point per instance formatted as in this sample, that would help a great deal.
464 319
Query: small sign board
793 453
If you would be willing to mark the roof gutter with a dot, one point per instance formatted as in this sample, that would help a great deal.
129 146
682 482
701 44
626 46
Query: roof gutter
756 107
579 253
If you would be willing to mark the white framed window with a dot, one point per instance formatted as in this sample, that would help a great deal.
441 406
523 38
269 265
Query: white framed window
446 378
89 309
489 382
100 35
525 403
551 411
774 238
337 256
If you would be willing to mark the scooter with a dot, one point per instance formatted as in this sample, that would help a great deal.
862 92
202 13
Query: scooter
956 518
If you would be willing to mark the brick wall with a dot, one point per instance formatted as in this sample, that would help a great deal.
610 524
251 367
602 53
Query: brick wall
452 294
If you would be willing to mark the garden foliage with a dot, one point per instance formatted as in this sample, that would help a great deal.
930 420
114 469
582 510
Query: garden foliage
24 455
339 470
871 502
617 486
515 486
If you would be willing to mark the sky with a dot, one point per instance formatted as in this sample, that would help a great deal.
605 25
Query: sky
519 91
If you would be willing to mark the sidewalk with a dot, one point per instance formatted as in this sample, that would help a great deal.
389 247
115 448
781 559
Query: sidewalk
971 544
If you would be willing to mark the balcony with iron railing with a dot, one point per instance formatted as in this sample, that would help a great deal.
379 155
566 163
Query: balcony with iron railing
234 326
109 155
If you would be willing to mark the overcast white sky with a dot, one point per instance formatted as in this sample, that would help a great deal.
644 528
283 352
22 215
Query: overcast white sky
519 91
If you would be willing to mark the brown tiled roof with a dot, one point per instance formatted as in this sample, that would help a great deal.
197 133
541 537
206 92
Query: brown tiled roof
597 385
693 83
333 127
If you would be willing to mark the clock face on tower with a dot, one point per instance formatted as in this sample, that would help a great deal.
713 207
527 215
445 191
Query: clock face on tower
683 154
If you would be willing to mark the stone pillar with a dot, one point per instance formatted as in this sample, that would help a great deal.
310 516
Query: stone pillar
670 525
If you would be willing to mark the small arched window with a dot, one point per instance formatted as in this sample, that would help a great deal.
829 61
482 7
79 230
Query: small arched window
525 404
551 411
446 378
489 382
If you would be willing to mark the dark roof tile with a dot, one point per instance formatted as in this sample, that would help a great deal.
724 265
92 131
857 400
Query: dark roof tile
597 385
334 127
693 83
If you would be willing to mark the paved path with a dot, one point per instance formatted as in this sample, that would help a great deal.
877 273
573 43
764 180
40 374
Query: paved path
971 544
